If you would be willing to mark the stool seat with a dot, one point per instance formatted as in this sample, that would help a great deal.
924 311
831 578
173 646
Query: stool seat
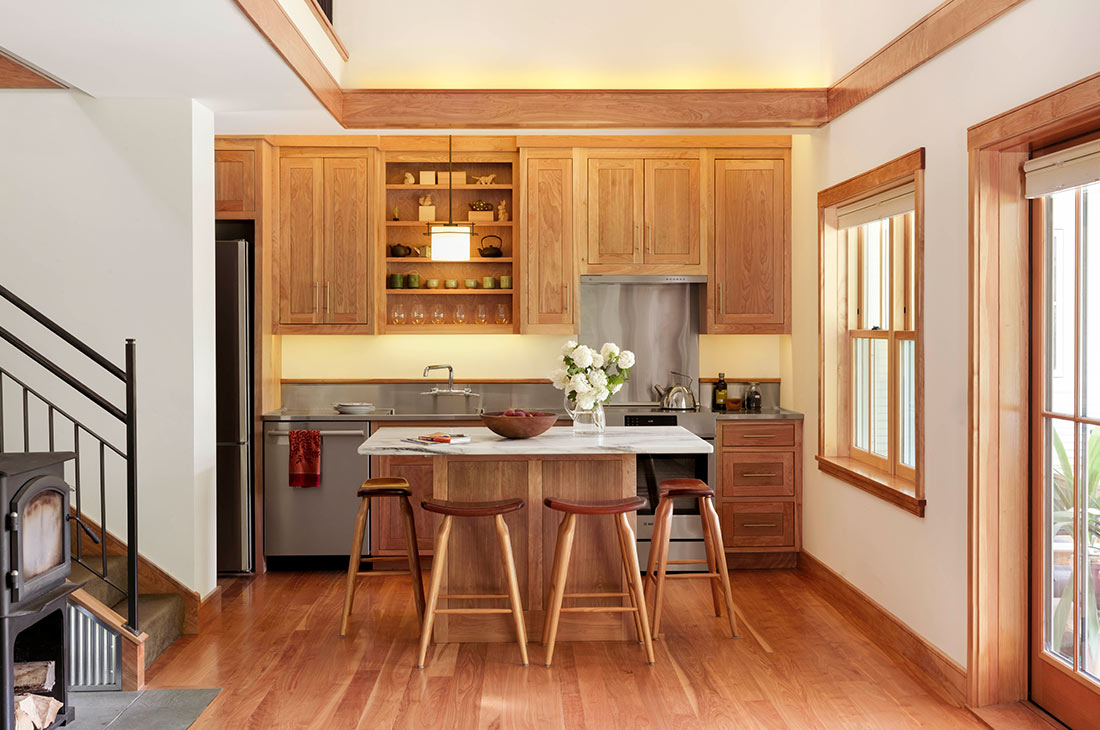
597 507
472 509
684 488
385 487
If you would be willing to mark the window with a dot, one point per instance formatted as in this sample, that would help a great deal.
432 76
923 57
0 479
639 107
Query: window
870 418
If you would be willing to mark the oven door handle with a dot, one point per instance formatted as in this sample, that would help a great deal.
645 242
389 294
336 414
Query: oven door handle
87 530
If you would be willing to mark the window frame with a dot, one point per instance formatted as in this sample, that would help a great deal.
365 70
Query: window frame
841 287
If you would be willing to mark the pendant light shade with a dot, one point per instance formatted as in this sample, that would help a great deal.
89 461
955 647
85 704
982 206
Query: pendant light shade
450 241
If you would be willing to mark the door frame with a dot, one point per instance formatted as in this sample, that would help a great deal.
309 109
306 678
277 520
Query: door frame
999 479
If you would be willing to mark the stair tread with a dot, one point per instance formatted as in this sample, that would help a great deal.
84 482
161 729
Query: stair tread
160 616
96 586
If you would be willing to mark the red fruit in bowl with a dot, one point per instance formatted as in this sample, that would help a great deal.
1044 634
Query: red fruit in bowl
509 412
521 414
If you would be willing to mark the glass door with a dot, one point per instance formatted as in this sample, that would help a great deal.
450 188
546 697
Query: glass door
1065 667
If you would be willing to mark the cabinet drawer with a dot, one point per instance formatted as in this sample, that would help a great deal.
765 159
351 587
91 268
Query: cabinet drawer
757 474
758 434
758 524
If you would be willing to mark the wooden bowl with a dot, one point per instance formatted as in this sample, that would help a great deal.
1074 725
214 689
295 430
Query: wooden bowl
518 427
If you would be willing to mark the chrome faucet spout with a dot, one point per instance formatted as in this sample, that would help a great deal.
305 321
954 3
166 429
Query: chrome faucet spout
450 375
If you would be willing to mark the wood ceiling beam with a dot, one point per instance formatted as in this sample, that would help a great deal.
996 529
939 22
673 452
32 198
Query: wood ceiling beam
16 75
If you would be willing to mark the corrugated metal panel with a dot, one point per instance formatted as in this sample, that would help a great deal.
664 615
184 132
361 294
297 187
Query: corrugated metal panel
95 653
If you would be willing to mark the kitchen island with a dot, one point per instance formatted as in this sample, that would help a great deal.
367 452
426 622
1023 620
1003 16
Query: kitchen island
555 464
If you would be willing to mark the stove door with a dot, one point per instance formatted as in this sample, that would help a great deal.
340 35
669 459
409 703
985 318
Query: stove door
38 520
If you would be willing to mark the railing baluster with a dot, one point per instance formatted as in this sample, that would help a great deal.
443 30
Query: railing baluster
1 410
102 508
51 427
131 484
79 512
26 424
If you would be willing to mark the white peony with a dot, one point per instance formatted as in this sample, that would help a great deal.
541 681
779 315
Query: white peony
579 383
559 378
597 360
609 350
586 401
616 388
598 378
582 356
626 359
602 394
568 347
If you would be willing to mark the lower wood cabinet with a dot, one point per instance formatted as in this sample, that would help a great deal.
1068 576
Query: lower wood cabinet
759 491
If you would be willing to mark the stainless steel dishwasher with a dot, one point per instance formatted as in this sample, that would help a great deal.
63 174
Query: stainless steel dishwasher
315 520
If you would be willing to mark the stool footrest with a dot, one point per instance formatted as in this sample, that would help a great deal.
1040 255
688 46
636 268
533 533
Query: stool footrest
687 576
472 595
382 572
472 610
595 595
599 609
686 562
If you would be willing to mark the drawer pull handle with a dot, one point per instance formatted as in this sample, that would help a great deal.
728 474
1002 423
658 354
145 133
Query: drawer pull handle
759 524
758 435
759 474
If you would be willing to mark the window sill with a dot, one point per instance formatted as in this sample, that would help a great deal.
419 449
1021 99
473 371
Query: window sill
893 489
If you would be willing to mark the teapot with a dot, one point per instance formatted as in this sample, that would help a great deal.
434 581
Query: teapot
677 397
489 251
399 251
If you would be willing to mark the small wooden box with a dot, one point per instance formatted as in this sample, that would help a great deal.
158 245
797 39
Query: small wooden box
458 177
427 177
425 213
482 216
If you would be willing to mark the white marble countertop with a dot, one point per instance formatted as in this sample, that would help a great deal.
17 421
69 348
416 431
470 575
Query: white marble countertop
558 440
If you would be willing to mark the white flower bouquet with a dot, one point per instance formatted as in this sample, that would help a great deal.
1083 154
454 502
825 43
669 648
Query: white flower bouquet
590 377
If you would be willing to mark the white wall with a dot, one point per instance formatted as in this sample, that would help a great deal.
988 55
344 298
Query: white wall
917 568
106 225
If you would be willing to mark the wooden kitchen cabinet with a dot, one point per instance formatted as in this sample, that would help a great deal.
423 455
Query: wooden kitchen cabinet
671 234
234 181
750 286
615 211
551 274
323 242
759 492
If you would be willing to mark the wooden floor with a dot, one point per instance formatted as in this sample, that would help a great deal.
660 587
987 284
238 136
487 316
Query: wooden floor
275 652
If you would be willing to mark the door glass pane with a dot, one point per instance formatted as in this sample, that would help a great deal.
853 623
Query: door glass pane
860 394
1090 531
1090 301
907 403
1061 247
880 397
1059 458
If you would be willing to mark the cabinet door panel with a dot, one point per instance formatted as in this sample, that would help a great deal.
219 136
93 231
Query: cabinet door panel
344 297
387 524
672 212
749 242
301 222
615 211
234 181
550 276
757 473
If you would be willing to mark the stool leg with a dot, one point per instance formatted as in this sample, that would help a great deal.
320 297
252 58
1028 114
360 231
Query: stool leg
414 558
354 561
714 549
662 564
553 574
438 566
558 585
513 585
627 538
723 569
654 540
635 599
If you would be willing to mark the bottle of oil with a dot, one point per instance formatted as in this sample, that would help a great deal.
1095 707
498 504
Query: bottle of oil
720 392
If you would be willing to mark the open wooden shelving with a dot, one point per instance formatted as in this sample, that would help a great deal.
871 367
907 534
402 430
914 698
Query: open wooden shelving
414 186
450 292
475 224
425 262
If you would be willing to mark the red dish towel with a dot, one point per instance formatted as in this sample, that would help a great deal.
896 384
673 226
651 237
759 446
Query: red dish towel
305 458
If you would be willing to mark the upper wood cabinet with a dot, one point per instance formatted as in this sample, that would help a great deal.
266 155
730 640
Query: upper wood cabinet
234 181
550 275
750 284
323 241
643 213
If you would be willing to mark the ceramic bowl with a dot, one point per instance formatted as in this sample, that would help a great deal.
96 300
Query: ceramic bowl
450 283
471 283
432 283
518 427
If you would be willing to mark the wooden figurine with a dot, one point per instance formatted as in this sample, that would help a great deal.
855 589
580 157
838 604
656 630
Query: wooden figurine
485 179
396 214
425 199
502 211
409 179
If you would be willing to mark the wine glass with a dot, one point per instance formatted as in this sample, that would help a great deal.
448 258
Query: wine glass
460 314
397 316
481 316
418 313
502 314
437 314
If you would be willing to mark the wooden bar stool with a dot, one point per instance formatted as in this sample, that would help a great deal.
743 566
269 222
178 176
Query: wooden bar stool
717 571
383 487
620 508
449 510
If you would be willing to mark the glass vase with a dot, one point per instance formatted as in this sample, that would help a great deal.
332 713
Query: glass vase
586 421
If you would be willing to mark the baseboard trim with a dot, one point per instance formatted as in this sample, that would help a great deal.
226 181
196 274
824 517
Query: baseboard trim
887 631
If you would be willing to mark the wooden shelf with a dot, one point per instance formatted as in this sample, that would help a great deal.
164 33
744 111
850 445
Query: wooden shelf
452 292
494 186
422 260
489 328
483 224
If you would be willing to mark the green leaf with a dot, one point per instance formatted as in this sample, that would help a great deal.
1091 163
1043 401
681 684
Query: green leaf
1092 476
1065 497
1061 615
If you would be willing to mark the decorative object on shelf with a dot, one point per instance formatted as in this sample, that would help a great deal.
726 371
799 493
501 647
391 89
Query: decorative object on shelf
438 316
460 314
396 213
489 251
413 280
485 179
502 314
427 177
589 378
488 282
397 315
431 283
450 283
454 177
400 250
418 313
481 314
481 211
397 281
502 211
424 251
426 211
409 179
471 283
450 241
752 400
505 282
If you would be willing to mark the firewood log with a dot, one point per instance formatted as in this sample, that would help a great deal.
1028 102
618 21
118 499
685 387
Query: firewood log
35 712
34 677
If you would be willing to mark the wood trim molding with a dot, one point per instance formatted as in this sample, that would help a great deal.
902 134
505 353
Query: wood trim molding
1077 102
937 31
326 25
869 182
664 141
885 486
587 108
885 630
18 75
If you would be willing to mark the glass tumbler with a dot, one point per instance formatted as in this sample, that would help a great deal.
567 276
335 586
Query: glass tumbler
418 313
502 314
481 315
438 316
460 314
397 315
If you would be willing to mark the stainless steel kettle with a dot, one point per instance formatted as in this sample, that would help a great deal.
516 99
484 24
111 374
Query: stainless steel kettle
678 397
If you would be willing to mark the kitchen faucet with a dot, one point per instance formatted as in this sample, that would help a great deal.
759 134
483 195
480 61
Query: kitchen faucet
450 383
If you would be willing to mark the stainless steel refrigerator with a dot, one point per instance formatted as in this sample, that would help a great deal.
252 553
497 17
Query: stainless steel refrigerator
233 314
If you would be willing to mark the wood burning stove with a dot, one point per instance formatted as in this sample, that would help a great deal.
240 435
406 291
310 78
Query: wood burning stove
34 557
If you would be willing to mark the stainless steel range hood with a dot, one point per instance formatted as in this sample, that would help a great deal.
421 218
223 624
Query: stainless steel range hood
655 316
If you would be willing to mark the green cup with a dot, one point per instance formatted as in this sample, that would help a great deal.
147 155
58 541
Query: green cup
451 283
488 282
471 283
397 281
505 282
414 280
431 283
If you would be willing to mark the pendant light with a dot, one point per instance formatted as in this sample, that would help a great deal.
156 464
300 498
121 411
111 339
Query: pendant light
450 241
